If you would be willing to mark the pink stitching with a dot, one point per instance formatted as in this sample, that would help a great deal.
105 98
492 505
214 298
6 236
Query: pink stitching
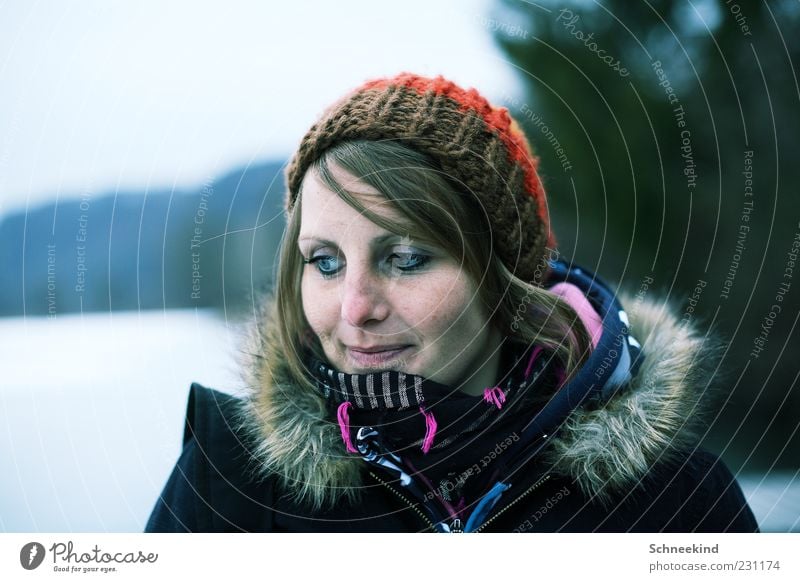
494 395
344 425
430 429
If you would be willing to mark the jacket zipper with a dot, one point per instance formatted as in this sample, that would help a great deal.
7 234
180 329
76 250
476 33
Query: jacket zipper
502 511
456 526
405 500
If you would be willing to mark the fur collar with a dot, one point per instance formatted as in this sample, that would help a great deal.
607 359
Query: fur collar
605 450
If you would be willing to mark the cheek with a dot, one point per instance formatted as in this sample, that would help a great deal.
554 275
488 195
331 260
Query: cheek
464 320
443 309
315 306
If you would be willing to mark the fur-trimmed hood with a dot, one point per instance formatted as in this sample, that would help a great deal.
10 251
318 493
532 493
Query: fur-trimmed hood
606 449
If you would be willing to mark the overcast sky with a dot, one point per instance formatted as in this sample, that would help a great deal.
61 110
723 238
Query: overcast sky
104 95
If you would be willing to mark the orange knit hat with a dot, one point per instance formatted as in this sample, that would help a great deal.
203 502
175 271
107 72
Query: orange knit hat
480 146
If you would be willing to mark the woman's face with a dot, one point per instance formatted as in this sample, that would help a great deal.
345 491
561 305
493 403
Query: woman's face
377 301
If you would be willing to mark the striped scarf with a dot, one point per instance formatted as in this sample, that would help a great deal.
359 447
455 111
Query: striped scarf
411 410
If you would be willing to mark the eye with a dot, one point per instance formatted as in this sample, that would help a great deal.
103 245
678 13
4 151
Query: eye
409 261
326 265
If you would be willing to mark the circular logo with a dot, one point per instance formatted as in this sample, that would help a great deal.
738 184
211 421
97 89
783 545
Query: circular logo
31 555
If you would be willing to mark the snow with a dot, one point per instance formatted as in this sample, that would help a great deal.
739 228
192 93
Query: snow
92 408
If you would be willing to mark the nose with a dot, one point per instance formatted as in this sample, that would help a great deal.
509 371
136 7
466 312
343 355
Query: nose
363 298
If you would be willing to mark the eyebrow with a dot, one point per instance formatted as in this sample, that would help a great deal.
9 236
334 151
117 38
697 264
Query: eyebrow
374 242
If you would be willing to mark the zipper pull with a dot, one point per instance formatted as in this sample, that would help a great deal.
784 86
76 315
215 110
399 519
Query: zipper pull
456 526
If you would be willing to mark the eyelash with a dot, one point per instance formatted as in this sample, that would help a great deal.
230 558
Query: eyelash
421 261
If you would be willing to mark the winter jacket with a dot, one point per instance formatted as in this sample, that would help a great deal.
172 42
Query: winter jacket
614 450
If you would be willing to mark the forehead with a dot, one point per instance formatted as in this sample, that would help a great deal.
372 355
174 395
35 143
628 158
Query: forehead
323 208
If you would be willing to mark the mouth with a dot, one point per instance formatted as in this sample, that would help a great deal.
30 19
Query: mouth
376 357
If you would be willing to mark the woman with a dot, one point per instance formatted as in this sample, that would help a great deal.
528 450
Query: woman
427 362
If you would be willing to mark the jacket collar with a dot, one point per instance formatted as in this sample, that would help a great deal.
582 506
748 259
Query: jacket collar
607 437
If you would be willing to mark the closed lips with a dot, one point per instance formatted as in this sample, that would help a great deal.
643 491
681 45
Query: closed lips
376 349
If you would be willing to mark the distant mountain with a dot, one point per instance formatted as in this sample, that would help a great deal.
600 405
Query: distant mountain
145 250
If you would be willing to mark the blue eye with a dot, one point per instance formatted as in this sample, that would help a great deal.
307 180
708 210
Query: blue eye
328 266
410 261
323 265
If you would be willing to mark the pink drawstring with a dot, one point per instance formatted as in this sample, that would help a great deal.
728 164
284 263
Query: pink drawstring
430 429
494 396
534 355
344 425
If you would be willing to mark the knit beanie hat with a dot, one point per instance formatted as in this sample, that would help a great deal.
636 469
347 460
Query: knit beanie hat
478 146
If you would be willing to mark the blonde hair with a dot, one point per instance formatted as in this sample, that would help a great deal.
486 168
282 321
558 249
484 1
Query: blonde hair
435 210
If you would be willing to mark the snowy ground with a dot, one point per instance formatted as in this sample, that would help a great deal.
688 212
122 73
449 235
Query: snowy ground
92 409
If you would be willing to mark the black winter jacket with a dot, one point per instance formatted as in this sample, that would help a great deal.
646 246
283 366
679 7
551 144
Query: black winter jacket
211 491
604 457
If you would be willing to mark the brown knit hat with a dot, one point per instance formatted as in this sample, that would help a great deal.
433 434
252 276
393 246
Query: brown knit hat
480 146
